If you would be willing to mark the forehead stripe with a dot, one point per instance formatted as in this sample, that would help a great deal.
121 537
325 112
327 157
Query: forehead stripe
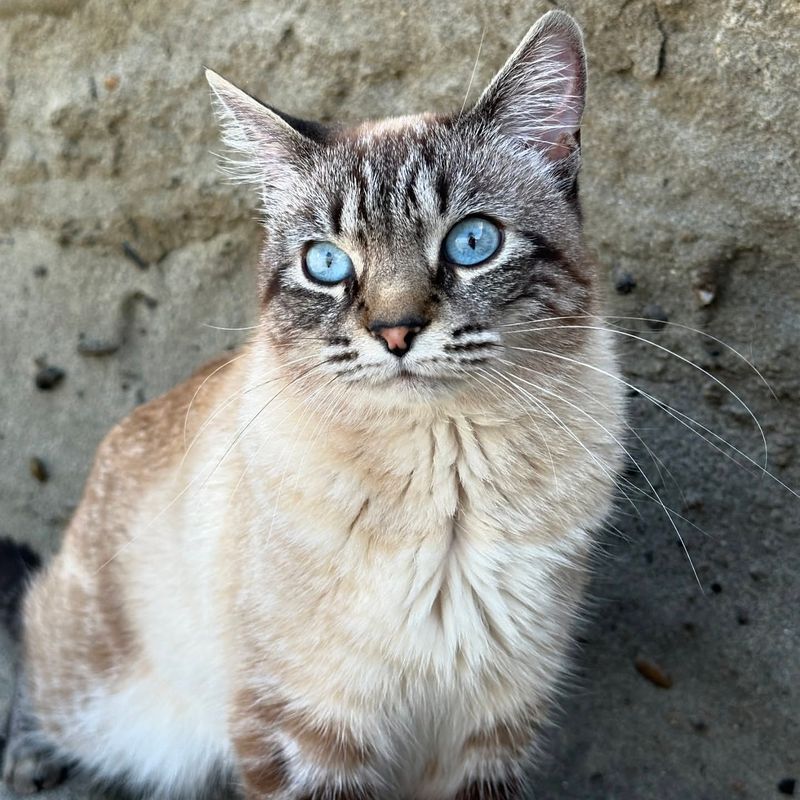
337 206
442 191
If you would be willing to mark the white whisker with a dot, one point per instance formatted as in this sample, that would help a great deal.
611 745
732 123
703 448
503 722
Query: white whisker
228 401
199 389
536 424
685 360
223 328
474 70
622 447
609 320
552 414
673 412
206 478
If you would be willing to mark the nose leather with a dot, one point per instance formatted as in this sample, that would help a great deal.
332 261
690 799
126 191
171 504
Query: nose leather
395 337
398 335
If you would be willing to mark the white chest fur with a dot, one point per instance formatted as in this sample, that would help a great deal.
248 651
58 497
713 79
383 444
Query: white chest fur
448 546
414 575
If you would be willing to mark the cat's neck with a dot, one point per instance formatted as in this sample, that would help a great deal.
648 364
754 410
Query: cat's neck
292 430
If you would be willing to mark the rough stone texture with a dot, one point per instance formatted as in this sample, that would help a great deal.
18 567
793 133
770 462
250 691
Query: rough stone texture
120 243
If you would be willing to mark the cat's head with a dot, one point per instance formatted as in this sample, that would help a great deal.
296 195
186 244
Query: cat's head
404 256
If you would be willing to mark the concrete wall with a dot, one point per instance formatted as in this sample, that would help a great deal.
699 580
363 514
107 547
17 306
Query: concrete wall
120 242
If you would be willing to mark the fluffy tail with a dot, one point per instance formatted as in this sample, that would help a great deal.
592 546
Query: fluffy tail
17 564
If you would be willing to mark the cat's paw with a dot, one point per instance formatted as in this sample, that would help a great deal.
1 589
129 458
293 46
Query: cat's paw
30 766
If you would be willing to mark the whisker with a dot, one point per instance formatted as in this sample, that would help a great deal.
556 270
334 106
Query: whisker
474 70
686 361
658 462
536 424
633 461
689 422
609 319
230 399
198 390
673 412
549 411
223 328
286 461
194 480
258 413
655 459
322 423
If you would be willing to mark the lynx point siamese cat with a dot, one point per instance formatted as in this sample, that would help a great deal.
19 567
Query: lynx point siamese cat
345 563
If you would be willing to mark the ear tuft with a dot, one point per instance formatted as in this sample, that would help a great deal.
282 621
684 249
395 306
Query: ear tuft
537 98
266 149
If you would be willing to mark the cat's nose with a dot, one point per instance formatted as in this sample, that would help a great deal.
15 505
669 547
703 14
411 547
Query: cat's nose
397 339
397 336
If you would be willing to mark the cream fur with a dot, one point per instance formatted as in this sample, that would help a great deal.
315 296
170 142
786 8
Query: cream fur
243 564
306 567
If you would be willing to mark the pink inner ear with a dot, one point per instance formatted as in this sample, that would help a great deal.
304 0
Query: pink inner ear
562 147
538 97
561 95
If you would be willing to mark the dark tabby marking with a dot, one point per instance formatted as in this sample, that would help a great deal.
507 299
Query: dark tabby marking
510 789
17 564
465 329
348 356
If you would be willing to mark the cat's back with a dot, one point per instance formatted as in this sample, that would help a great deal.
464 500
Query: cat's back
152 439
159 432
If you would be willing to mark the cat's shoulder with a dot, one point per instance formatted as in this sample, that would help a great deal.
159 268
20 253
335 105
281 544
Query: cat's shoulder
161 429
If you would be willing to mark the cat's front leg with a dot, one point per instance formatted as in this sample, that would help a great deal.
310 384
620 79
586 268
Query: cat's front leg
267 774
31 762
489 763
286 753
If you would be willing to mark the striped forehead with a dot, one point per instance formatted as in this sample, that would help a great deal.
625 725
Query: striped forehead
394 180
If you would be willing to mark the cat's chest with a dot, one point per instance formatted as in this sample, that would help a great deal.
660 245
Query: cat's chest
430 480
432 552
424 564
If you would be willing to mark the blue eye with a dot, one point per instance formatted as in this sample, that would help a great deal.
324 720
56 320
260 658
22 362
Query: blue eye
327 263
471 241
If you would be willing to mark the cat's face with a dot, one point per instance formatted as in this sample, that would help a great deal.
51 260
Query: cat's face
404 257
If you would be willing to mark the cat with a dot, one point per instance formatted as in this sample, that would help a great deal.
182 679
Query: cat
346 562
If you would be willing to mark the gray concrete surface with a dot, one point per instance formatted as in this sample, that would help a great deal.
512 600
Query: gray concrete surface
120 242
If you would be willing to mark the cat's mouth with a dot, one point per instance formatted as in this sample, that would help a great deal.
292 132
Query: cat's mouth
403 378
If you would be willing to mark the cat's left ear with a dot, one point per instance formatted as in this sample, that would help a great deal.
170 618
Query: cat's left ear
269 151
537 98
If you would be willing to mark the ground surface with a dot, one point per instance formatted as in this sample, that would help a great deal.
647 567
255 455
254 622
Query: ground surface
119 241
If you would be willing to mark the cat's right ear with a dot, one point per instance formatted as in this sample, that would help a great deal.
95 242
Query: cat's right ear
268 151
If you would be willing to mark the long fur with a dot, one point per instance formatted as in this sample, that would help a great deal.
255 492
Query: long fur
326 570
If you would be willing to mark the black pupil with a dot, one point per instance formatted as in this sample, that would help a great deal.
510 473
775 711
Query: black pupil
328 259
472 241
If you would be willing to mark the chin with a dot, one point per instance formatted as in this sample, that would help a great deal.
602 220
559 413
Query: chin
409 390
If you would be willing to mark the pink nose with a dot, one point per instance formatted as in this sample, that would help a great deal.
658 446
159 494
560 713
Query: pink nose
398 336
395 338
